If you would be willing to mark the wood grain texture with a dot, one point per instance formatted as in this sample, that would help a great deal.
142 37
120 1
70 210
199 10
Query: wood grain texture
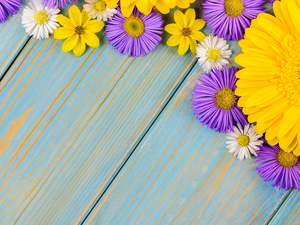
182 174
288 214
12 39
67 124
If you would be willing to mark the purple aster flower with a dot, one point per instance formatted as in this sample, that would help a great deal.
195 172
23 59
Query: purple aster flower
281 167
136 35
56 3
8 7
214 100
230 18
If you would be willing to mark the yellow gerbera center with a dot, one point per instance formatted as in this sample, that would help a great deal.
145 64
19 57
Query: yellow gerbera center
287 159
243 140
186 31
234 8
213 54
288 81
100 5
79 30
40 17
225 99
134 26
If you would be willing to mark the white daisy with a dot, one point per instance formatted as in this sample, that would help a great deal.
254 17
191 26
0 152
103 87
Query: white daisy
38 20
243 142
98 10
213 53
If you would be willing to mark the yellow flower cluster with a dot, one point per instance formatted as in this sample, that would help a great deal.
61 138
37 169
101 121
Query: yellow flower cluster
145 6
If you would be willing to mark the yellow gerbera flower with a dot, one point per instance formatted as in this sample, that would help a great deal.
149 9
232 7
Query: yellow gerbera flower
79 30
185 31
269 84
145 6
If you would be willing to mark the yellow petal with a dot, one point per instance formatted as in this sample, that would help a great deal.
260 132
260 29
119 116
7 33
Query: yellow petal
262 95
142 6
91 39
94 26
261 127
291 147
64 21
197 35
75 15
247 60
63 32
172 28
171 3
297 150
126 11
193 45
190 15
69 44
162 6
198 24
183 46
174 40
85 18
289 119
112 3
294 12
277 108
258 73
287 139
79 48
183 3
180 19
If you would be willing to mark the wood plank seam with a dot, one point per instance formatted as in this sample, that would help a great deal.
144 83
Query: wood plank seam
137 143
279 207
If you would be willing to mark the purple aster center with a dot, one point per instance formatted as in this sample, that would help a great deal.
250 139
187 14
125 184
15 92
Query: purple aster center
134 26
186 31
234 8
79 30
225 98
287 159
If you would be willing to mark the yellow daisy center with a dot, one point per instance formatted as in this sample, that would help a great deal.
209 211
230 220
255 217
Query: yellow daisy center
79 30
225 99
287 159
288 81
243 140
134 26
186 31
100 5
213 54
234 8
40 17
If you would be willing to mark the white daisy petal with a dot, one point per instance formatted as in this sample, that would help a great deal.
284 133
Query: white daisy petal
98 10
39 21
243 141
213 53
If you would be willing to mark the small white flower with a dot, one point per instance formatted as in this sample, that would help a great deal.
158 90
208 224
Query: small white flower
98 10
39 21
213 53
243 142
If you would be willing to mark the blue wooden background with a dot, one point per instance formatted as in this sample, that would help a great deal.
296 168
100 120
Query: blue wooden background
107 139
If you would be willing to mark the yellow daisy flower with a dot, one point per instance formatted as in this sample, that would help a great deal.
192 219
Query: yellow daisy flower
145 6
269 84
185 31
79 30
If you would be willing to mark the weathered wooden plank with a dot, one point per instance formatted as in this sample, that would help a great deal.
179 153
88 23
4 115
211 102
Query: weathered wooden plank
12 39
67 124
289 212
182 174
